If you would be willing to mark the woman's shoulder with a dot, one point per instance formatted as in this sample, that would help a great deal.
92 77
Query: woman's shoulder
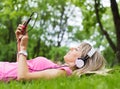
39 59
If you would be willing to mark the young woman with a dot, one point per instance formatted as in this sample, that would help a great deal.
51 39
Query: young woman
78 60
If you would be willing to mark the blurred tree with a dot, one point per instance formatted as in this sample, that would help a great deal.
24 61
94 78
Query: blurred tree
116 19
99 26
50 28
11 13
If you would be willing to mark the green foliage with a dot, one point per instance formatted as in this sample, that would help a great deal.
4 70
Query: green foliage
109 58
52 26
11 13
57 53
91 30
4 49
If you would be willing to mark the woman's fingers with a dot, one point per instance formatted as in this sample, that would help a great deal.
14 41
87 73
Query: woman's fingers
20 30
20 27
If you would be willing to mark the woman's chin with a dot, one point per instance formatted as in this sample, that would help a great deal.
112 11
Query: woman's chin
65 58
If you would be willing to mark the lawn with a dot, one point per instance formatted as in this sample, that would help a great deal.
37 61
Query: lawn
111 81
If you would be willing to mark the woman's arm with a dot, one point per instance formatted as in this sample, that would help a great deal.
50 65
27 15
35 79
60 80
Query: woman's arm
23 71
19 36
22 64
24 74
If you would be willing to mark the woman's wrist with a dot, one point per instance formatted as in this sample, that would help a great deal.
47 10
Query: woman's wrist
18 47
23 48
23 52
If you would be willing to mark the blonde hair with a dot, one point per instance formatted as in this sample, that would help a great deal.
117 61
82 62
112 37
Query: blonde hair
96 62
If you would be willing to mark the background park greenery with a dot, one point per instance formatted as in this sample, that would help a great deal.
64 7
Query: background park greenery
61 23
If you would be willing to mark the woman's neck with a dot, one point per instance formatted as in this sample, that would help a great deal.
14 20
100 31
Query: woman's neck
72 67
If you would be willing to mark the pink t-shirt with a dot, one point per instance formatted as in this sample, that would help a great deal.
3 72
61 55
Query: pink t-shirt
9 69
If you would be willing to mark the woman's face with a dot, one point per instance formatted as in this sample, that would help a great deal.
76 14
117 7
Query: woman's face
72 55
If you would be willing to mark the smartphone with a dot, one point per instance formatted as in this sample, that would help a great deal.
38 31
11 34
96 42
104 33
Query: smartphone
26 23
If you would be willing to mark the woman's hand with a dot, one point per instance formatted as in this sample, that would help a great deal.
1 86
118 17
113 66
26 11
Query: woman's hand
19 32
24 42
22 38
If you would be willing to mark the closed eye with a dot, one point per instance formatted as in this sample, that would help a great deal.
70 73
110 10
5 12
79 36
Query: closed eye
76 49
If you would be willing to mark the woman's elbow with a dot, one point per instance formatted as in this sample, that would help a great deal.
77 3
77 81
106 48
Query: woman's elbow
22 77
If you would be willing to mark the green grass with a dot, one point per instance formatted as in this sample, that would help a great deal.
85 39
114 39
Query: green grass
111 81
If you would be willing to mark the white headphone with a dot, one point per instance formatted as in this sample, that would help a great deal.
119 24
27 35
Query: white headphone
80 62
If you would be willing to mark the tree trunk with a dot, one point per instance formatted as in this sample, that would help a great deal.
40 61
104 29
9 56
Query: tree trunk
116 18
104 32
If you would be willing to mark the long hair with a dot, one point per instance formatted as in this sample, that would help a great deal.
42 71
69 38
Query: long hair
96 62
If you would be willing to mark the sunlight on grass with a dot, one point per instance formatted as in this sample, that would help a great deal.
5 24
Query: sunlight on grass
111 81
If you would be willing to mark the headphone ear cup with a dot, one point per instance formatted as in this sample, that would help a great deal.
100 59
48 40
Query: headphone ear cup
79 63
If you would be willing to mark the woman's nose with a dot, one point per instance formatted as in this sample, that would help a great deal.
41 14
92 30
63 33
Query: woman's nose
72 48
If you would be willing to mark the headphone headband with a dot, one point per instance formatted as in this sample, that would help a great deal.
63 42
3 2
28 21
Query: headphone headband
91 52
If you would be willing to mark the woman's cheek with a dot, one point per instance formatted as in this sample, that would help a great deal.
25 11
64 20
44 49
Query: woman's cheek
66 58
